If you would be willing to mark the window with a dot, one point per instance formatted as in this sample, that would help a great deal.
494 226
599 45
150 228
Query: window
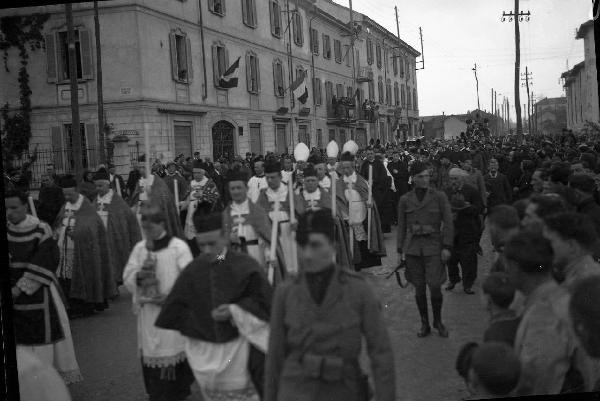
403 94
249 13
319 138
350 92
217 6
57 56
328 95
220 61
396 94
297 28
332 135
339 91
388 92
401 61
408 98
378 54
317 91
395 64
252 73
64 52
369 51
278 78
314 40
89 145
347 55
255 139
326 47
181 57
415 104
371 90
380 90
281 138
275 11
407 69
337 49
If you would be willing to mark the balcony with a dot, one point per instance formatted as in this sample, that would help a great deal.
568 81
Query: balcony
365 74
342 111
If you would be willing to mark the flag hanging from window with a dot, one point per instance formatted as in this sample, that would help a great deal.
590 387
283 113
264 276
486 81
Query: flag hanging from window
229 79
299 88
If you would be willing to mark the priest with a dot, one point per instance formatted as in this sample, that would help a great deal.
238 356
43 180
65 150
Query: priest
150 188
258 180
314 198
221 304
248 227
85 269
320 165
121 225
356 192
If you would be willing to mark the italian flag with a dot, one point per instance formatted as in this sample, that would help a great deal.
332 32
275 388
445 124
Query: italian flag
300 89
229 79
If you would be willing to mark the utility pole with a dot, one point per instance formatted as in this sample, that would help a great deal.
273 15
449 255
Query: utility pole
75 131
422 52
291 141
353 38
492 109
405 73
518 16
477 86
526 79
508 114
101 131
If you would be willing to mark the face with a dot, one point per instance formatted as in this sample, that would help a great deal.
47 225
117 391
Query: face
171 169
238 191
259 168
300 165
467 165
311 184
347 168
16 210
531 218
577 168
563 249
396 157
370 155
287 164
111 170
422 179
198 174
102 186
331 160
152 230
46 180
511 156
537 182
210 242
273 180
318 253
493 165
71 195
321 170
455 181
50 170
217 166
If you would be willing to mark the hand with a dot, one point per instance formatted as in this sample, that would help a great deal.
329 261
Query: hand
445 255
221 313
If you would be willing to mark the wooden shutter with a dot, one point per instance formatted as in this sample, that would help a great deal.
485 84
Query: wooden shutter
92 144
245 12
188 57
173 48
211 5
215 58
257 67
85 41
271 15
249 72
57 147
51 69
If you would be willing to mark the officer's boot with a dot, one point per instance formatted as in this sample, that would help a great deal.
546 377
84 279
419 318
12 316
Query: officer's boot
421 298
436 307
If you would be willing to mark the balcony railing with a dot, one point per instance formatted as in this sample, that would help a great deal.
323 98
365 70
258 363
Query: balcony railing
365 74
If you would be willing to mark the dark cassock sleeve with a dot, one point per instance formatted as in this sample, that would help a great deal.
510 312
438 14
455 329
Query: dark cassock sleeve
44 260
447 221
256 292
277 338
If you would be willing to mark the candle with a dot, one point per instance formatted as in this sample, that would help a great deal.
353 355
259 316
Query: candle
176 191
118 185
32 206
333 194
294 268
370 202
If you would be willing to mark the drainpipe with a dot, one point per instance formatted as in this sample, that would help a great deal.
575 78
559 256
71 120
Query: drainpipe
205 89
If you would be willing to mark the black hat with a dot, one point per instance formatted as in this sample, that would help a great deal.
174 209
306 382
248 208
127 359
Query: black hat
68 181
101 174
316 158
272 166
236 175
318 221
347 157
418 167
199 165
171 163
309 171
207 222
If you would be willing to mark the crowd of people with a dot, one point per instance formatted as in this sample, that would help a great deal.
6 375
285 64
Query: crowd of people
245 273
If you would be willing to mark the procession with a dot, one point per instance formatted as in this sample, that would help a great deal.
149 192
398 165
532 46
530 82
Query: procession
178 230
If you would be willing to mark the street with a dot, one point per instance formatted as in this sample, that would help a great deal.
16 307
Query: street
106 343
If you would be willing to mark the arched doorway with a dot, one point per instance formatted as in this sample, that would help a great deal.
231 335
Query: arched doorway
222 138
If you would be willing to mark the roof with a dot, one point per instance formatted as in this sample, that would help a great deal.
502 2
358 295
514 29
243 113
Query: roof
573 70
584 28
551 100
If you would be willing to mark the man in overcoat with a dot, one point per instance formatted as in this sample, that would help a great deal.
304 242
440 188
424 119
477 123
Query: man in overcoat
425 238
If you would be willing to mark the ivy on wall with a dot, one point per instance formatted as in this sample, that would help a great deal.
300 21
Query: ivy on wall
24 33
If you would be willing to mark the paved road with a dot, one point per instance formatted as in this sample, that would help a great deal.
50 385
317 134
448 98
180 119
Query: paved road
106 343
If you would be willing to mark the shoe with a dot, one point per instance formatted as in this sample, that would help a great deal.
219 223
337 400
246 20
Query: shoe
450 286
442 330
469 291
425 330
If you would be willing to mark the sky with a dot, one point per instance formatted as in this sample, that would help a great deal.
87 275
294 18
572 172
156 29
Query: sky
459 33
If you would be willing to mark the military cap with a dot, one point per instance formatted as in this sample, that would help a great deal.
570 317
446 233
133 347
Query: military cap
319 221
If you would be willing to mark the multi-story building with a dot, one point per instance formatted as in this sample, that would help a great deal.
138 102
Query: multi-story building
162 61
581 83
549 116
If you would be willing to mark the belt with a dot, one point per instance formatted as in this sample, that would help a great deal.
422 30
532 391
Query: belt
328 368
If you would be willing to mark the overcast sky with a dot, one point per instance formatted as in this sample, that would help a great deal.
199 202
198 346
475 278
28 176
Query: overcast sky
459 33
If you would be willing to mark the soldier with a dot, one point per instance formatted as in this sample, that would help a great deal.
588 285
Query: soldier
425 237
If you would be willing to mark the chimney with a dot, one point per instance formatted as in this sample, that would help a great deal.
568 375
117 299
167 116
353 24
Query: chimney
443 113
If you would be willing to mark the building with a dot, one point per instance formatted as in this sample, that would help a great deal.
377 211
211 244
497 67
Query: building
581 83
451 126
162 62
549 116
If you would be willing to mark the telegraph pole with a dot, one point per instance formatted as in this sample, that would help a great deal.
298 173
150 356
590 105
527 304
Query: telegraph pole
405 73
75 132
518 17
526 78
508 114
477 86
101 131
422 52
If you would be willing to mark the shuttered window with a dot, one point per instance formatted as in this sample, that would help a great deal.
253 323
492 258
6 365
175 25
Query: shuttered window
275 12
58 66
347 55
314 40
388 92
220 62
401 61
51 65
378 54
326 47
371 90
317 91
249 13
395 64
380 90
278 81
217 6
350 92
328 94
403 95
408 98
181 57
339 91
415 104
297 28
337 49
396 94
369 52
252 73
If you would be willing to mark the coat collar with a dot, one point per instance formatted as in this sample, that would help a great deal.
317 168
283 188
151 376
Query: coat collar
333 293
